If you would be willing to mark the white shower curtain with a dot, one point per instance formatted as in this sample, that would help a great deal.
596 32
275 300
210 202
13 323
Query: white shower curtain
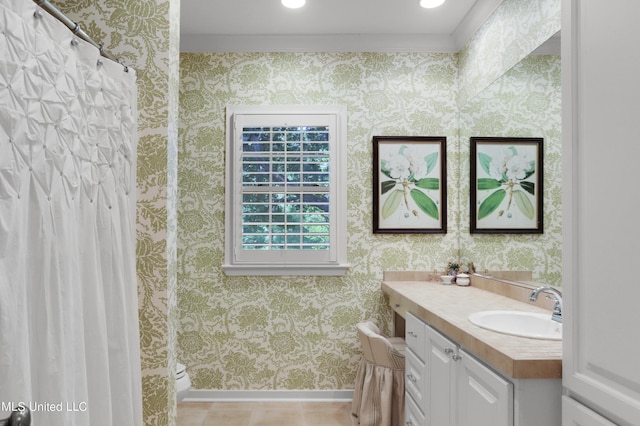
69 341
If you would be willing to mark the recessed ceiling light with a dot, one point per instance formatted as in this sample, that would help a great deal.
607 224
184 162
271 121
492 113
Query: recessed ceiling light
430 4
293 4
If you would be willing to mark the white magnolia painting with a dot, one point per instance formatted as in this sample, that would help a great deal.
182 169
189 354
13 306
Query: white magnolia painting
506 185
409 184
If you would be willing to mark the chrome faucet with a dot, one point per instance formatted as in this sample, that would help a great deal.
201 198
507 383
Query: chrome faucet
556 295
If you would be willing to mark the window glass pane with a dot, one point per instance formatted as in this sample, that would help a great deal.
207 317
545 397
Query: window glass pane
254 218
318 178
255 229
293 239
316 218
248 198
255 178
293 147
249 207
293 177
293 208
294 137
295 218
315 167
289 157
315 147
256 146
316 229
317 240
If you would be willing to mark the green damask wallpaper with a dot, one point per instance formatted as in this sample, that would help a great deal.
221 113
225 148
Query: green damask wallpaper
513 31
269 333
297 333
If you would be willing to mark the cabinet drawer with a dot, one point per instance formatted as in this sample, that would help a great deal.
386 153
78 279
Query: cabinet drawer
397 306
414 378
415 335
412 414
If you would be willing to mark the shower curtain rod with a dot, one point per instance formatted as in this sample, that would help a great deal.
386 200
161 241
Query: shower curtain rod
75 29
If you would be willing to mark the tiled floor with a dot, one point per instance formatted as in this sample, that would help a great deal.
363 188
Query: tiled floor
264 414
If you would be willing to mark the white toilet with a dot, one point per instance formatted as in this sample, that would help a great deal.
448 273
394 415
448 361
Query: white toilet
183 383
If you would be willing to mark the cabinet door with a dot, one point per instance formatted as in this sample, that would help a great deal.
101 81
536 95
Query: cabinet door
440 379
601 230
484 398
576 414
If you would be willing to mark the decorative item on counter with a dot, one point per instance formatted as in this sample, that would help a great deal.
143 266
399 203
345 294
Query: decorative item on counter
462 279
453 267
471 267
446 279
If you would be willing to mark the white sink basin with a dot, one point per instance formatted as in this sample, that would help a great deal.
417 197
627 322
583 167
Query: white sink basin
517 323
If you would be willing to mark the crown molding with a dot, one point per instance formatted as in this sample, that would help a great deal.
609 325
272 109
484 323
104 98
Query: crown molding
471 23
550 47
318 43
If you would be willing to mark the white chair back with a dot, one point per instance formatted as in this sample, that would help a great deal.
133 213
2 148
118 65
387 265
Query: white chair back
377 349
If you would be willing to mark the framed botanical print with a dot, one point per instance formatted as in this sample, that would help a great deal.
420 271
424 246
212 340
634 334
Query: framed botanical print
506 185
409 184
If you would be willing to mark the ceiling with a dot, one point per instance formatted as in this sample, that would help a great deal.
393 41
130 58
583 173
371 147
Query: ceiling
329 25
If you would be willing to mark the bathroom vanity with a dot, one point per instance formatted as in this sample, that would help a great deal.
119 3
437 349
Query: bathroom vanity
463 375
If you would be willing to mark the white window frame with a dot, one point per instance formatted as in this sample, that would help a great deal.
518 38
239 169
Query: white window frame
286 262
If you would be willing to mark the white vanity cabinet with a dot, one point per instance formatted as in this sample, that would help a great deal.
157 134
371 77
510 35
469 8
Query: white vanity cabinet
446 385
462 375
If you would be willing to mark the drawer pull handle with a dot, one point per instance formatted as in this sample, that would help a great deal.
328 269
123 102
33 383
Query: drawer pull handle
456 357
448 351
412 378
411 334
409 423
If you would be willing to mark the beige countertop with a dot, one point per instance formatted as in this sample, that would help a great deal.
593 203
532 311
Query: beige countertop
446 308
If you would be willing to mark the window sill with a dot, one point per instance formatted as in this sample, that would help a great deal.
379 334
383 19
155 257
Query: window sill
283 270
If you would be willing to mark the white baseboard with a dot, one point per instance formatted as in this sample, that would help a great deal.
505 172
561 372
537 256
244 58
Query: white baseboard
195 395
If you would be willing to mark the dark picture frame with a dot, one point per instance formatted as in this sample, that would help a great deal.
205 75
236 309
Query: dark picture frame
506 185
409 185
